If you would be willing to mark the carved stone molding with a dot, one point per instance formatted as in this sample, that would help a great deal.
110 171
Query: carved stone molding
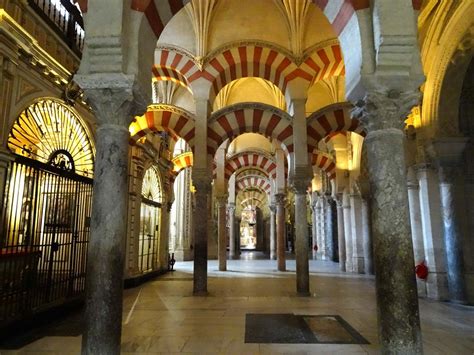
115 98
385 109
280 199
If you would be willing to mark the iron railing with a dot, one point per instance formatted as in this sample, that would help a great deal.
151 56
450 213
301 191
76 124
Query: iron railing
64 18
43 238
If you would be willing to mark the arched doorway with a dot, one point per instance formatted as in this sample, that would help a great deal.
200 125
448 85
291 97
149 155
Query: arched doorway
47 209
150 221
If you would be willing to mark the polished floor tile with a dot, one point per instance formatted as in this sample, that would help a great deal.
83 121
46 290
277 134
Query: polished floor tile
162 316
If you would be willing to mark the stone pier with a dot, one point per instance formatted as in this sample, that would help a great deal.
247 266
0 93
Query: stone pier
280 227
397 299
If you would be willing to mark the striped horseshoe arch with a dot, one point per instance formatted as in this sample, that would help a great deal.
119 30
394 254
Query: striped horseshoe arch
324 162
251 198
249 60
171 63
167 118
331 119
257 182
250 160
321 64
237 119
271 63
180 162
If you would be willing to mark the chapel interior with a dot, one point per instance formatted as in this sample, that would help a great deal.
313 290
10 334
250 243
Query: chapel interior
236 176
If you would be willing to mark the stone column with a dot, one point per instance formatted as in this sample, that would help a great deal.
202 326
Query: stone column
330 229
346 208
280 227
357 230
105 260
397 299
453 207
301 238
273 243
323 248
319 228
432 227
164 237
340 234
231 212
367 238
314 230
202 196
221 231
416 228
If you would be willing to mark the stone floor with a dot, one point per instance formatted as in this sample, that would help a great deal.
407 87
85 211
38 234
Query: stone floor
163 317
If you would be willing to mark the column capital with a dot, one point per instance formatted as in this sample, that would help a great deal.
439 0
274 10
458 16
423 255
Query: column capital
301 180
272 208
231 207
115 98
280 199
221 200
383 109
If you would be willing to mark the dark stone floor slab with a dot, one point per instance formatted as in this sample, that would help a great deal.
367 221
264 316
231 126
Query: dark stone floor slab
276 328
300 329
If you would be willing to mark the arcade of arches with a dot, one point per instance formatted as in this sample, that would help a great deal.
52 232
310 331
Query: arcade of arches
335 130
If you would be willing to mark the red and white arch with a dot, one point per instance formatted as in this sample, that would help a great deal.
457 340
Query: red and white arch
234 120
164 118
252 160
329 120
254 181
325 162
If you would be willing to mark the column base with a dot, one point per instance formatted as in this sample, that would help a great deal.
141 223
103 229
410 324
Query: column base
303 294
358 265
200 293
437 286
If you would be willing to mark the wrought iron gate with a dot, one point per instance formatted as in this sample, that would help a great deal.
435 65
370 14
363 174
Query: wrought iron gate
44 237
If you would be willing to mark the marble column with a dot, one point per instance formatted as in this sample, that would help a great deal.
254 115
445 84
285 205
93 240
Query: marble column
357 233
273 243
329 229
114 109
346 208
453 207
319 228
416 228
202 196
164 237
432 227
340 234
301 237
323 248
367 238
222 232
397 300
231 212
314 229
280 227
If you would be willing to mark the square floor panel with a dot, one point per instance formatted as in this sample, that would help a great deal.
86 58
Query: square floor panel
300 329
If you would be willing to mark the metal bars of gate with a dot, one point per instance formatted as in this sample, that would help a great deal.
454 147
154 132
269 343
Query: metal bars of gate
44 236
150 212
